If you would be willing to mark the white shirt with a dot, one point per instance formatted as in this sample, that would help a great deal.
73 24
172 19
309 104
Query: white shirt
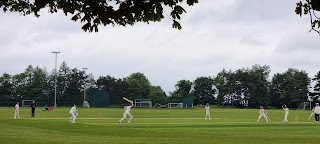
207 108
261 111
128 108
286 110
317 110
124 109
73 110
17 106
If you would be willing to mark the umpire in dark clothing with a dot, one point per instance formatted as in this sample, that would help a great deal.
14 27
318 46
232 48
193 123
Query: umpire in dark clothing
33 108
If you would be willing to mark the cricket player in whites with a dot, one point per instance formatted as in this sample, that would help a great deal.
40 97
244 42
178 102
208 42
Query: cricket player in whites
286 113
16 112
262 114
126 111
312 113
207 111
317 112
73 114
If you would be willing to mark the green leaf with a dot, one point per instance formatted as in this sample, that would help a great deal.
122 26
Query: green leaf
306 8
299 9
86 26
315 5
176 25
75 17
179 9
192 2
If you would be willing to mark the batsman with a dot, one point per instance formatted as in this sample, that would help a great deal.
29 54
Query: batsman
263 114
126 111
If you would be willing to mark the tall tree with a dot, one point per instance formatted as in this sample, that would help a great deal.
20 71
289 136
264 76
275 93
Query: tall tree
74 90
238 87
139 86
40 85
276 90
245 87
117 88
103 12
220 81
6 88
183 90
203 89
317 80
28 80
290 87
157 95
63 81
19 86
258 86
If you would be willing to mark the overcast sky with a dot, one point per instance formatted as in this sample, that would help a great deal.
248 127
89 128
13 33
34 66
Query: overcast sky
216 35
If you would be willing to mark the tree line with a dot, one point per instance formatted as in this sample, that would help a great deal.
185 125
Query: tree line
246 87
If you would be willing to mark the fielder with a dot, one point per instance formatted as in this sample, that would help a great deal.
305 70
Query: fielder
317 112
126 112
207 111
73 114
286 110
262 114
16 112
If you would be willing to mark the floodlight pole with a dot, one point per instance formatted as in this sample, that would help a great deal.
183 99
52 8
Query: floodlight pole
55 79
85 86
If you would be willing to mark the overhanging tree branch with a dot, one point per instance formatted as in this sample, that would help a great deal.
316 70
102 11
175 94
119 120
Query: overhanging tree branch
94 13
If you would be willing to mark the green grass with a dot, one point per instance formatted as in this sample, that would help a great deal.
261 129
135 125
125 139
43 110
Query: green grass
156 126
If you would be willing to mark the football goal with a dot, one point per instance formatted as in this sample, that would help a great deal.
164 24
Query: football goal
175 105
26 103
307 106
146 103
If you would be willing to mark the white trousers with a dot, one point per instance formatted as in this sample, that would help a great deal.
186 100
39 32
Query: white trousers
72 118
262 115
207 116
16 114
311 115
125 115
285 118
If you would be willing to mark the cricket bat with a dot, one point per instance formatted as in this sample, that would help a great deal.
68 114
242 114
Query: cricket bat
127 99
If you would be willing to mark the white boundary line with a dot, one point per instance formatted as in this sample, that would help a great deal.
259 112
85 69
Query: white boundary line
119 118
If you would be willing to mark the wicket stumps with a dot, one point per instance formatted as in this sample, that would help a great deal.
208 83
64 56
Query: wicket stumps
296 118
100 119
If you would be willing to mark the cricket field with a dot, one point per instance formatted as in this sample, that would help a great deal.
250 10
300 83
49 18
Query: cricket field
157 126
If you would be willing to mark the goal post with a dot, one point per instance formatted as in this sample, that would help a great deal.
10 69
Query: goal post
306 104
25 103
175 105
146 103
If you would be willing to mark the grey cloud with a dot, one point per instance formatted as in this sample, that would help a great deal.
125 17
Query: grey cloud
56 22
261 11
299 42
253 40
243 11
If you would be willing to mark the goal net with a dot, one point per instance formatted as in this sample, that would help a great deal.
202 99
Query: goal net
307 106
304 106
146 103
175 105
26 103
